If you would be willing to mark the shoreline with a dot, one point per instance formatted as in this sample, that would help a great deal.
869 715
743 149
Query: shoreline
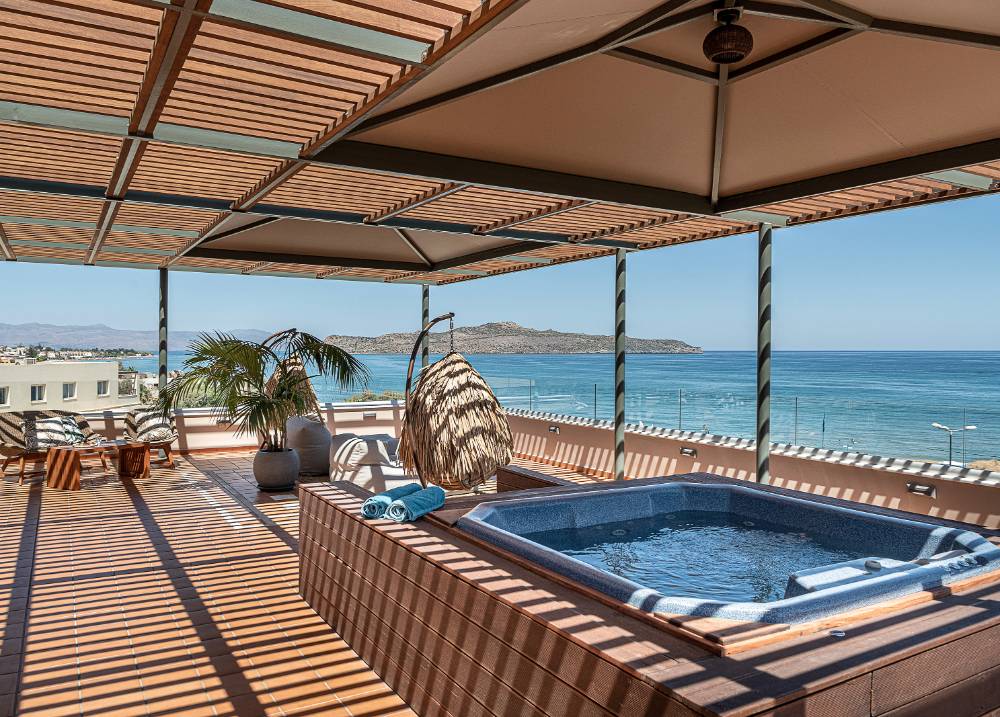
673 353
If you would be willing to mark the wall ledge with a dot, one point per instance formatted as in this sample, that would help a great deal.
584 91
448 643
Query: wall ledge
344 407
902 466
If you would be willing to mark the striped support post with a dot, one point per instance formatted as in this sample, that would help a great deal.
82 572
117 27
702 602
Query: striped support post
764 354
163 330
425 317
620 365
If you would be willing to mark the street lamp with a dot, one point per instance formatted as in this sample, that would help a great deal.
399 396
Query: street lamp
951 432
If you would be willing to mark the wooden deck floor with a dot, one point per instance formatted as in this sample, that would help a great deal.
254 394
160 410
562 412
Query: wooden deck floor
166 596
178 595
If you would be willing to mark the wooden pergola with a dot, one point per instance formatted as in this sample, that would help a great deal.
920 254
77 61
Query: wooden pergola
462 138
437 141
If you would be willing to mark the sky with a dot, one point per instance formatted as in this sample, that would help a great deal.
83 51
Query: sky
914 279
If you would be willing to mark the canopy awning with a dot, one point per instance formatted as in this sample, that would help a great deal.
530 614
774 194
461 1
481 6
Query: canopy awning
441 141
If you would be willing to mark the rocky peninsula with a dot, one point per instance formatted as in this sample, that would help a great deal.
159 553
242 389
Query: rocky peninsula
507 337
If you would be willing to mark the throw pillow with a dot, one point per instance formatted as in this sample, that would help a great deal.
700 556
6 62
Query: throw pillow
158 434
151 426
377 452
345 451
43 433
74 434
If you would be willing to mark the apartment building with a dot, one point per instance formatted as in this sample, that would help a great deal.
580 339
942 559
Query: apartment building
64 385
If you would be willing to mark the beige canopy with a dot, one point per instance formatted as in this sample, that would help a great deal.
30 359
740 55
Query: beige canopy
445 140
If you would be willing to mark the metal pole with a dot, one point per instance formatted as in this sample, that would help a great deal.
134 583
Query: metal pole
425 317
764 354
795 430
620 364
164 286
965 422
950 434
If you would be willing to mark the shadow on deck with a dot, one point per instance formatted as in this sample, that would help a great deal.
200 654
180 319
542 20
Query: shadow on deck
165 596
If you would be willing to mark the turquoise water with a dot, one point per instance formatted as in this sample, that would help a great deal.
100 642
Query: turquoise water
700 554
877 402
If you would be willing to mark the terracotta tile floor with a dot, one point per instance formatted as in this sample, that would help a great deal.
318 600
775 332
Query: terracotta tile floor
172 595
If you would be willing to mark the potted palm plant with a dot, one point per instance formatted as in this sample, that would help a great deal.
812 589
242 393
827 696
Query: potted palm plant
257 387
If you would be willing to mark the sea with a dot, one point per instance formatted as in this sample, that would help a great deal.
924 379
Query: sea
878 402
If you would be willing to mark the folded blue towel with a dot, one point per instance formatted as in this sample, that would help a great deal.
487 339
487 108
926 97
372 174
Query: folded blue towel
413 506
376 506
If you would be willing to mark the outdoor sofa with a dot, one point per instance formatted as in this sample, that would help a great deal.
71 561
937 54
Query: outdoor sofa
16 446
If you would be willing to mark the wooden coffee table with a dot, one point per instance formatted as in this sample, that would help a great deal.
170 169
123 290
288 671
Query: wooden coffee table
63 466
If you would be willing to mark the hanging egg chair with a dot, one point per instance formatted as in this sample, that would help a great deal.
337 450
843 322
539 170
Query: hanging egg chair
296 369
455 433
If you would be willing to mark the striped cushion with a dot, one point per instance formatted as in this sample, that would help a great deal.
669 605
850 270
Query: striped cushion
43 433
72 430
12 427
149 426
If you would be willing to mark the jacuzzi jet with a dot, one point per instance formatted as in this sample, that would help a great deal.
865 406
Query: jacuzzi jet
619 532
748 523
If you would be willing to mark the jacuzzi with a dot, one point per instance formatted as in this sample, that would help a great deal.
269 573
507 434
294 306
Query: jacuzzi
727 551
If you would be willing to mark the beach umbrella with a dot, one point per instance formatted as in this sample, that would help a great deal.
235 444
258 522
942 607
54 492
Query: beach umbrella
455 433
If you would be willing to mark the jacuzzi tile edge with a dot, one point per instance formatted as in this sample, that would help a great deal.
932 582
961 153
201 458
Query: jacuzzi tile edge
976 555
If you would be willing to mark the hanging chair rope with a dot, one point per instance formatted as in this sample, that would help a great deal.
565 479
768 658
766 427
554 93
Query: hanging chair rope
455 433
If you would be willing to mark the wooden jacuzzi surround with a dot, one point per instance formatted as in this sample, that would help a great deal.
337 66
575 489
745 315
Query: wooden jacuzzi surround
456 629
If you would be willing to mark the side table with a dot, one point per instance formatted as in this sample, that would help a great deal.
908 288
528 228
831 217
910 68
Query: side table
133 460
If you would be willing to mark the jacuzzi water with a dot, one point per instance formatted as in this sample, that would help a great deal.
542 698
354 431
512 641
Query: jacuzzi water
701 554
729 551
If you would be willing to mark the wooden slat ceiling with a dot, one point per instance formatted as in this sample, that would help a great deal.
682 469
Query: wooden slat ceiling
480 207
128 130
37 153
45 206
245 82
348 190
873 197
146 215
81 56
38 243
174 169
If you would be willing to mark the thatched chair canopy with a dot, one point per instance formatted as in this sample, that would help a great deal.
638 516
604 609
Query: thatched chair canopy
455 433
296 369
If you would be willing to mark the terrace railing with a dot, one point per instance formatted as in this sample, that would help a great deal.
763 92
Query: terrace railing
901 429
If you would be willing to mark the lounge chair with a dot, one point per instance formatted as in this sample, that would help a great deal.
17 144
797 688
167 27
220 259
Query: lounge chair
16 446
149 425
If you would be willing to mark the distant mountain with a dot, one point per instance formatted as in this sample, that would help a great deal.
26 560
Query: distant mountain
503 337
506 337
102 336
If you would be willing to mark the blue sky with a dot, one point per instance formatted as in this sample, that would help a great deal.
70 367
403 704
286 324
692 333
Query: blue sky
918 278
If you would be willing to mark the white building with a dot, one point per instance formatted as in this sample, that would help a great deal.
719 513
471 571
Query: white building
64 386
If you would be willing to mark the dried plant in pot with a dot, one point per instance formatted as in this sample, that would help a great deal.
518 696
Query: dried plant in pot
257 387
